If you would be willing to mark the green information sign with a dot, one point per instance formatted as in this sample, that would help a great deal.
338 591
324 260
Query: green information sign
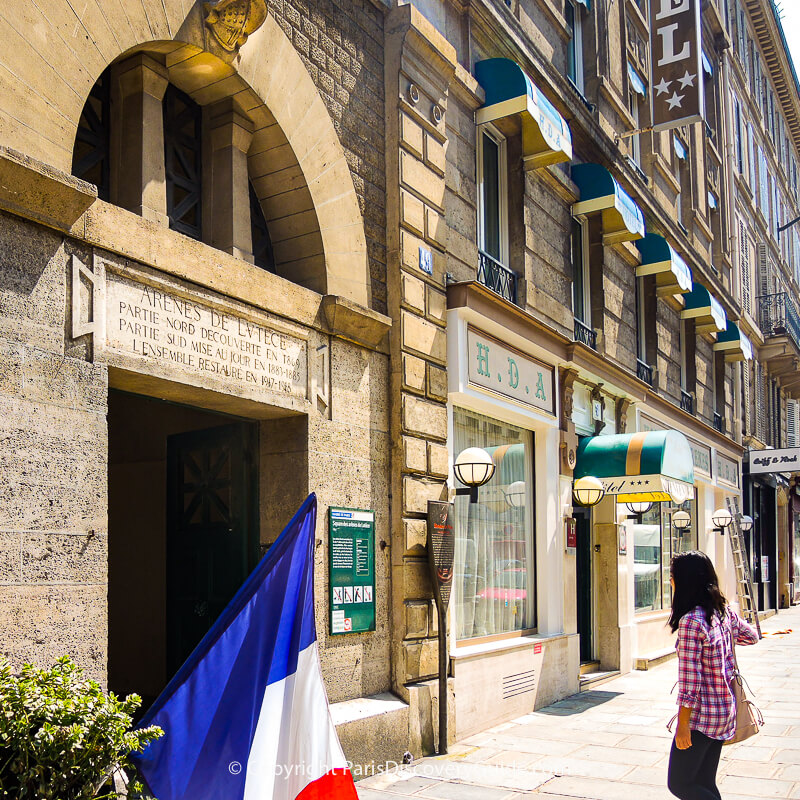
352 563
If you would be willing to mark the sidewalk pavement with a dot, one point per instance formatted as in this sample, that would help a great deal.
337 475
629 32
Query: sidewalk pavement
612 743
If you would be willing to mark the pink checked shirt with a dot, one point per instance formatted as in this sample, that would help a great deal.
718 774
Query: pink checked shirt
706 668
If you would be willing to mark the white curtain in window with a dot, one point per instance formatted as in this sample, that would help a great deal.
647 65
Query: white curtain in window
494 575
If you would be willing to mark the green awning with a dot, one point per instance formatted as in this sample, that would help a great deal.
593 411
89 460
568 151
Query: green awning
673 275
652 465
546 138
623 220
708 314
735 345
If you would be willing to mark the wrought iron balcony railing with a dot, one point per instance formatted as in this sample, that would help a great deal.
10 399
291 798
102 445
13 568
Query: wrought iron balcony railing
500 279
585 335
779 317
719 423
687 402
644 372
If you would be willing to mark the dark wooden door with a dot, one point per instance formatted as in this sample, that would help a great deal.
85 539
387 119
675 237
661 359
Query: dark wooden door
583 566
212 541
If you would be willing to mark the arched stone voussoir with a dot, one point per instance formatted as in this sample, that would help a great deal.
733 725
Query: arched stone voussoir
275 71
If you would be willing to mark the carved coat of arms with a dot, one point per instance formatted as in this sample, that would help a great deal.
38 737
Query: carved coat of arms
232 21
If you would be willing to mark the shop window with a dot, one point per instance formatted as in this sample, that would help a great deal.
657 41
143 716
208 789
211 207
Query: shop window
90 158
183 162
573 13
494 577
655 542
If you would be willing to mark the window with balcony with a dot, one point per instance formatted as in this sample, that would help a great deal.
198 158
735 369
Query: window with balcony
645 328
688 341
581 299
493 215
573 14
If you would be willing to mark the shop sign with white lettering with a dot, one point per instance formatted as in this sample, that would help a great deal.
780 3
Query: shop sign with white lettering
170 331
507 371
676 76
784 460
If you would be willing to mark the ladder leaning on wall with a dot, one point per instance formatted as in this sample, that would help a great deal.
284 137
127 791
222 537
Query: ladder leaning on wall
744 580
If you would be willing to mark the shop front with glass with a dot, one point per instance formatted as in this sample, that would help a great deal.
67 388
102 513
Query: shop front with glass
494 582
655 541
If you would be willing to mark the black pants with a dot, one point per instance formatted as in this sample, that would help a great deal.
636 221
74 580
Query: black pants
693 772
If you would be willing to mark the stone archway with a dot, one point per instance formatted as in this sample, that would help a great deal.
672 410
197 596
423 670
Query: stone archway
296 161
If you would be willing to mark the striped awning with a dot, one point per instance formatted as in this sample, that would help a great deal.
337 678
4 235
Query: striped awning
546 138
735 345
705 310
654 466
623 220
673 275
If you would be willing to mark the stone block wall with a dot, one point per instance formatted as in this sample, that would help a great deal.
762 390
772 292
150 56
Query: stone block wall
53 524
342 46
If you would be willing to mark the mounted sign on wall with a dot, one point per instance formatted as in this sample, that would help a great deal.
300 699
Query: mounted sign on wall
676 85
352 569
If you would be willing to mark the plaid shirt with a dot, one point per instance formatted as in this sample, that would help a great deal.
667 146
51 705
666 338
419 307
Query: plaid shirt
706 668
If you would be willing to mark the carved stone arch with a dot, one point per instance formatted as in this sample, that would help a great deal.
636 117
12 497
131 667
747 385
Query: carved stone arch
296 161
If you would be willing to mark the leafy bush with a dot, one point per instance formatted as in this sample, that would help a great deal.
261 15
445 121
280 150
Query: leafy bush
61 736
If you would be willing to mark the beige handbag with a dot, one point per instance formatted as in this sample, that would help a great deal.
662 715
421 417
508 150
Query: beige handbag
749 719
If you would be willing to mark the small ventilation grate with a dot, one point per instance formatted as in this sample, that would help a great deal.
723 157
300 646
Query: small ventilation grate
519 683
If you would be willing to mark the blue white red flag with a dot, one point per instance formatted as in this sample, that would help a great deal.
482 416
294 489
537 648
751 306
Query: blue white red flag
246 717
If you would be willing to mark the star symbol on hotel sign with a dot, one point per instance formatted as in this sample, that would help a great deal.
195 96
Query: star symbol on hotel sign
687 79
663 87
675 100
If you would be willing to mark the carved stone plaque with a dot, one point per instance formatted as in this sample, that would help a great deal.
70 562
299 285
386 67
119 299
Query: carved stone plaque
170 332
441 550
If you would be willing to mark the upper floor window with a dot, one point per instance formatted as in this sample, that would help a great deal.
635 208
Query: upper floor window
183 161
581 304
573 13
492 176
90 158
682 174
637 91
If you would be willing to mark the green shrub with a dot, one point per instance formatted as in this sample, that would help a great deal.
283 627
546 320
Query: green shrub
61 736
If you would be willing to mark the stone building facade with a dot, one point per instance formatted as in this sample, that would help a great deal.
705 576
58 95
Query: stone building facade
252 250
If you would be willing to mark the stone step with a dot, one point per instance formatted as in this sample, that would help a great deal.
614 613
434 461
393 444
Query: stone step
595 679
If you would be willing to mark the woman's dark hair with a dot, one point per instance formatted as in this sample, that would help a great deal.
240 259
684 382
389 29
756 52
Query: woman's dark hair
696 584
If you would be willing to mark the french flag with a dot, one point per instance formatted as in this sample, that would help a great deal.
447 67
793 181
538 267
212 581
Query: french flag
246 717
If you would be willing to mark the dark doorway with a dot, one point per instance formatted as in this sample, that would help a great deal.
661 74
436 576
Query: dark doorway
583 581
183 531
211 546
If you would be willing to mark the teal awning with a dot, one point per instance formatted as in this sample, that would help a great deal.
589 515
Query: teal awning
708 314
546 138
637 82
623 220
735 345
673 275
652 465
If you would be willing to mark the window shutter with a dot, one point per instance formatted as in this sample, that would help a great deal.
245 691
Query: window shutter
763 269
792 423
747 398
745 268
761 406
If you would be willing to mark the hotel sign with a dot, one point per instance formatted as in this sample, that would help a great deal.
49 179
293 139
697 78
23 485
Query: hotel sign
676 92
511 373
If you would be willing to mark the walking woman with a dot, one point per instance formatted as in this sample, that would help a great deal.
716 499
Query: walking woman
707 709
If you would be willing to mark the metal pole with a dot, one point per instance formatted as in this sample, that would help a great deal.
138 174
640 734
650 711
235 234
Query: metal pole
443 659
